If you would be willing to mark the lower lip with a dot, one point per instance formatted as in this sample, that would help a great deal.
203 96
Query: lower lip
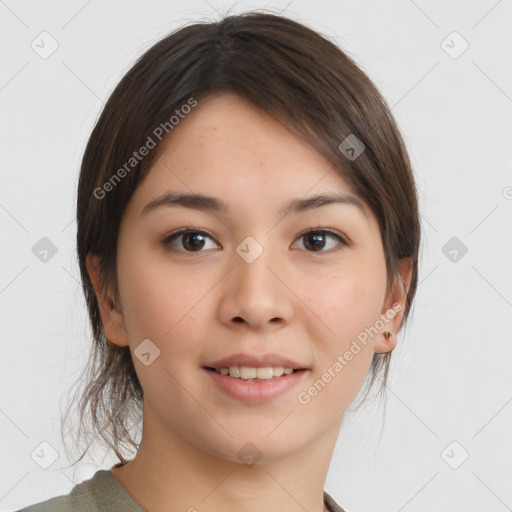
256 390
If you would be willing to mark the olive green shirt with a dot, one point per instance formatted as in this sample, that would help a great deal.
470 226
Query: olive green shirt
103 493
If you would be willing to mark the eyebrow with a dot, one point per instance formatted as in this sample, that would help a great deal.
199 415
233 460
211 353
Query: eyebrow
205 203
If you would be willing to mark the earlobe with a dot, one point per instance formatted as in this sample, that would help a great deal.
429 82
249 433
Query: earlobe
385 342
393 310
111 318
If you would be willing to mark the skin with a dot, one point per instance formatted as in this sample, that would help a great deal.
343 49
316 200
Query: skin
304 304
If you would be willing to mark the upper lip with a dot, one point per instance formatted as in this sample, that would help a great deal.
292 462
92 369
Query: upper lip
255 361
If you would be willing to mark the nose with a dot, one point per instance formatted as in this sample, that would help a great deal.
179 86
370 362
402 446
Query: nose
257 290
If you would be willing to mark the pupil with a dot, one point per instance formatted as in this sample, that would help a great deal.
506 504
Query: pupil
192 246
317 238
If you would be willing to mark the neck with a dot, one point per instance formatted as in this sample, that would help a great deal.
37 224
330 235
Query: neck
169 473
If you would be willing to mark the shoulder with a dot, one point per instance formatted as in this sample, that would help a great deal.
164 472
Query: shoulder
70 502
101 492
104 492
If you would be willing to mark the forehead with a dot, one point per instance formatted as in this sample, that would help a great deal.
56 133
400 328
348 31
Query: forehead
227 128
229 148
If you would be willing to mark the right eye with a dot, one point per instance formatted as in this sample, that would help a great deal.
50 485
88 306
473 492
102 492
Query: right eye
192 240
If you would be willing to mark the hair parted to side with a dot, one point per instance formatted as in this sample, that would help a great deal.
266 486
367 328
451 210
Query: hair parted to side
293 73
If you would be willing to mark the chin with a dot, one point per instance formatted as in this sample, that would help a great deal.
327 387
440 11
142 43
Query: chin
254 446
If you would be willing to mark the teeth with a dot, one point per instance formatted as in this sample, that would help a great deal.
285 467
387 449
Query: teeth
278 371
246 373
263 373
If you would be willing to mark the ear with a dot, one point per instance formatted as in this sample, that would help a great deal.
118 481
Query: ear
111 316
396 296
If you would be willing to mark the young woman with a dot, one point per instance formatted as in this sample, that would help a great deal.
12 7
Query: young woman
248 237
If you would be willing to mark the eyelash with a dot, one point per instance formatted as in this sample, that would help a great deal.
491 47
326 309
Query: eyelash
166 242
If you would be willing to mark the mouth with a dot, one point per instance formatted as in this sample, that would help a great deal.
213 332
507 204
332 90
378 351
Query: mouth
254 384
257 374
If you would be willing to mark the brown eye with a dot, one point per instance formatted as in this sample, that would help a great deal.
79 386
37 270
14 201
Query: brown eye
191 241
194 241
315 240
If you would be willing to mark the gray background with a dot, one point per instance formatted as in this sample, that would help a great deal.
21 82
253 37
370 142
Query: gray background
450 378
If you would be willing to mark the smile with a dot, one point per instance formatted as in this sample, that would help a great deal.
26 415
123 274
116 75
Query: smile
252 384
247 372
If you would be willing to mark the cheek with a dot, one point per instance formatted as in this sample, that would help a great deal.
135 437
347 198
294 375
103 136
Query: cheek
345 310
342 352
160 304
344 307
164 307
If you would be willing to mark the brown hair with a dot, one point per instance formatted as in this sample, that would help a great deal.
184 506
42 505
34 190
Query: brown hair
295 74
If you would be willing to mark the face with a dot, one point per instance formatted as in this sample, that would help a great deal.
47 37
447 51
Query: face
203 284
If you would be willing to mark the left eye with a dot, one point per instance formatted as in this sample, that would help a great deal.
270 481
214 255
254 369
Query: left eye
194 240
318 239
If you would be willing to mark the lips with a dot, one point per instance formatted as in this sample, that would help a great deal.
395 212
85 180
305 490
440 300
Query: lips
255 361
255 390
236 379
